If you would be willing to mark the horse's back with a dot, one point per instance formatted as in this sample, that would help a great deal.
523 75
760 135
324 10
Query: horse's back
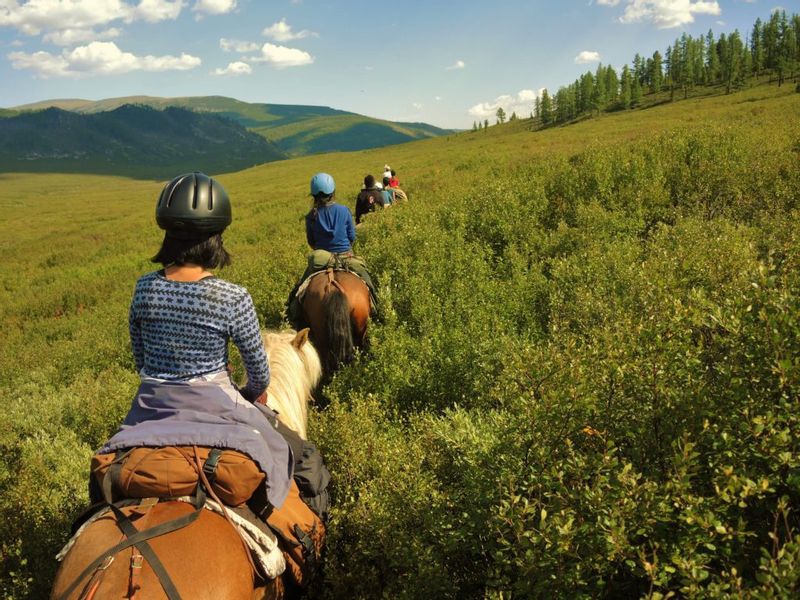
206 560
337 312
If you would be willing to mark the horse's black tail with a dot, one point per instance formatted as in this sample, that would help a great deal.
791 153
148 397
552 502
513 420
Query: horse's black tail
340 330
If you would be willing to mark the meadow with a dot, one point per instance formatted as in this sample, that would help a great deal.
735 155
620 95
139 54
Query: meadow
586 383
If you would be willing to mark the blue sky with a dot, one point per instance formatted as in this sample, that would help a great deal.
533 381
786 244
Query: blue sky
447 63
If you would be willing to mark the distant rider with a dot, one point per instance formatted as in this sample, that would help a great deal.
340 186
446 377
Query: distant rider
330 234
369 199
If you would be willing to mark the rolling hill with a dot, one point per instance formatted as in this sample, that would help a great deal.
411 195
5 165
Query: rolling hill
297 129
129 140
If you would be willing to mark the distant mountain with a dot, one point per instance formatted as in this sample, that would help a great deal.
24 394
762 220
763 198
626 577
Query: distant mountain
297 129
130 140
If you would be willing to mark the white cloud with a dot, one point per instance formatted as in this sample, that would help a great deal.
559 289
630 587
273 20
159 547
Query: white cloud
459 64
522 104
437 98
70 37
35 16
214 7
664 14
98 58
282 57
154 11
235 68
282 32
238 46
69 22
587 56
417 105
44 63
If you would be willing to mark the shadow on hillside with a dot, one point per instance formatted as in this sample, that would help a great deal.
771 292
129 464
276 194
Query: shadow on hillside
144 172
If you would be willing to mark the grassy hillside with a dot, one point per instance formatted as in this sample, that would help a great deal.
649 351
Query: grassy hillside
297 129
586 384
129 140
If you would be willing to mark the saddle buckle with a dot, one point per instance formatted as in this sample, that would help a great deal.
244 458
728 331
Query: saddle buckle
137 560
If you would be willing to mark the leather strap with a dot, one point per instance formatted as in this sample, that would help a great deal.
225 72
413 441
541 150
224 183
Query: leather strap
129 529
136 538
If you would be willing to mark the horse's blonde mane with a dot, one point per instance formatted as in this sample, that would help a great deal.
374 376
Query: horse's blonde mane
295 372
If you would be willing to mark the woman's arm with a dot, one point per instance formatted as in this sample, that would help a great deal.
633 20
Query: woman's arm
351 229
135 329
246 334
309 231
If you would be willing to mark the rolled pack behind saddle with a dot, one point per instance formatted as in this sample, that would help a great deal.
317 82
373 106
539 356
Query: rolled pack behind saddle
235 479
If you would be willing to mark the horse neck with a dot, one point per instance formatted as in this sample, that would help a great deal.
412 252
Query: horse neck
289 387
285 399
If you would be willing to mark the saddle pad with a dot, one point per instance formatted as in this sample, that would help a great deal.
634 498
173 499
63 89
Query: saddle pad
301 291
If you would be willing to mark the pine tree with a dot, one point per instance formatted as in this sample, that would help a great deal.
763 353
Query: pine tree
599 91
612 85
485 124
625 94
687 64
636 92
757 48
656 73
501 115
730 55
746 60
474 126
513 116
586 93
546 108
787 42
770 41
712 59
638 68
674 69
698 56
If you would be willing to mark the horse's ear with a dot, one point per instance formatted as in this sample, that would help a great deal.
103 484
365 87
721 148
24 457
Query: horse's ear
300 339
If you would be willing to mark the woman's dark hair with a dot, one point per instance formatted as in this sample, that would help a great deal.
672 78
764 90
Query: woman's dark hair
209 253
369 182
386 182
321 200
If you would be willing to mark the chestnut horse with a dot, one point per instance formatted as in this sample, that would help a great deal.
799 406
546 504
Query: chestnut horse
336 305
206 560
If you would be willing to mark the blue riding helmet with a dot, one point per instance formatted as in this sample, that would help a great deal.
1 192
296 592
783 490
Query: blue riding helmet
322 183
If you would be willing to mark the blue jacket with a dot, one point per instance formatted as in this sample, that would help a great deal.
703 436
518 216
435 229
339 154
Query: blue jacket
332 229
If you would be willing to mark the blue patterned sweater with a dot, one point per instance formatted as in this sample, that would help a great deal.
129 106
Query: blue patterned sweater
180 330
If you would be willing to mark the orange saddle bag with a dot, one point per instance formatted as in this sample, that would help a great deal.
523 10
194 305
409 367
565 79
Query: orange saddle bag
172 471
301 535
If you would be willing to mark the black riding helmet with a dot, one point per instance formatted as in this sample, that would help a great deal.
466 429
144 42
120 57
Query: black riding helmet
193 206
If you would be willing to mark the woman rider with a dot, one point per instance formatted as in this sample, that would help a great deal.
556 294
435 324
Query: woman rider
330 233
181 320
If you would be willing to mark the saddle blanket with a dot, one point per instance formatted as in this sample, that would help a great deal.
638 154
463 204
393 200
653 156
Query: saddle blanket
262 543
301 291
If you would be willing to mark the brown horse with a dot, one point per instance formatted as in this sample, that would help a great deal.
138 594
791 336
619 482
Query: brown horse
336 305
206 560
